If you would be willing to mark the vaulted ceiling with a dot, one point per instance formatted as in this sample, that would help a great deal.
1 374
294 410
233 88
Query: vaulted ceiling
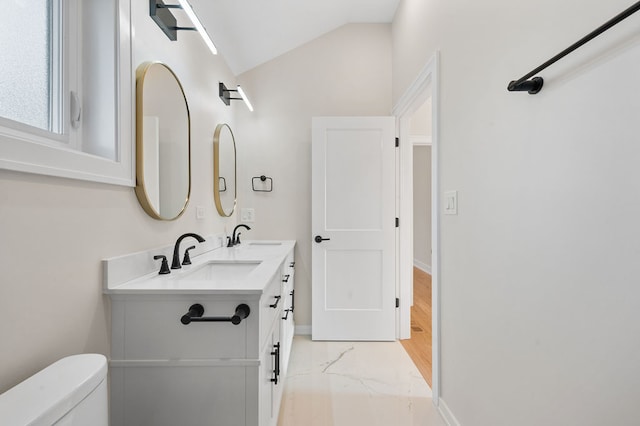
250 32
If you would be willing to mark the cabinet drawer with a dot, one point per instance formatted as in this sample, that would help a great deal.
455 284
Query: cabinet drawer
271 379
153 331
288 271
289 266
271 304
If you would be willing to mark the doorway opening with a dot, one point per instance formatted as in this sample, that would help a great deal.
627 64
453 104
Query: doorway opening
419 346
421 101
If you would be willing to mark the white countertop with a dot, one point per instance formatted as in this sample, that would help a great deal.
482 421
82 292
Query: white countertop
269 254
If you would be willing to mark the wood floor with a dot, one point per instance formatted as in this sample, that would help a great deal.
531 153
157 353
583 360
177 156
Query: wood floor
419 346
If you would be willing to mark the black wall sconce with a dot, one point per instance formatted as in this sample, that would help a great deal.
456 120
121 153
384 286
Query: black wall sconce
225 95
162 16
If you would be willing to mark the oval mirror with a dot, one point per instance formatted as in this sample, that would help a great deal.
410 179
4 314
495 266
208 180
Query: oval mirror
224 170
163 145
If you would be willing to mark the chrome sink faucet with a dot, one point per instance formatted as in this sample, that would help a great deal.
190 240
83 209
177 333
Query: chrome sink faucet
175 263
235 239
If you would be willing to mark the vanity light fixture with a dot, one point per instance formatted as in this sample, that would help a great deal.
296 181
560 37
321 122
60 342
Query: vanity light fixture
162 16
225 95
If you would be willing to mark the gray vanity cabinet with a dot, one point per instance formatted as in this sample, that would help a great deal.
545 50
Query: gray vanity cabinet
165 373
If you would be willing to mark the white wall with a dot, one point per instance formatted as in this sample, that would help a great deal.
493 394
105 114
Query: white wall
540 267
345 72
54 232
421 125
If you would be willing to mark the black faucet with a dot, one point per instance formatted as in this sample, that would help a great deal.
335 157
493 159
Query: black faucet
175 263
236 239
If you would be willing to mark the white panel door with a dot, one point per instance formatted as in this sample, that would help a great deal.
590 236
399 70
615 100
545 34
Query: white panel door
353 225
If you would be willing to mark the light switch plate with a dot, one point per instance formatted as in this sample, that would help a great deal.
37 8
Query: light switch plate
247 215
451 202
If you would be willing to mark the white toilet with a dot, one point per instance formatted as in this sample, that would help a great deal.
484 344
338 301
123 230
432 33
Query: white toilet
69 392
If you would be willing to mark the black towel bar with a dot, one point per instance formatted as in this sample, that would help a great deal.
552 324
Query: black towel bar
197 310
533 86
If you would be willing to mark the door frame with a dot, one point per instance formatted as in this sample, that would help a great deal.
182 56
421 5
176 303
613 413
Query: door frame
425 84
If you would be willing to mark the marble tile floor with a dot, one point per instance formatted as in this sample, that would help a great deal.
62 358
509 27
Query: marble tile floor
354 384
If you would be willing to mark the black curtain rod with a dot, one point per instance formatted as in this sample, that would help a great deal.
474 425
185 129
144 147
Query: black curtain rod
534 85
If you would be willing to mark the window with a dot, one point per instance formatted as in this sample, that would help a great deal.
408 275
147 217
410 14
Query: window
38 68
28 88
52 120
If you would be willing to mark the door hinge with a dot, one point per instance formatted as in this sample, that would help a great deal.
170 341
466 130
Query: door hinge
397 302
397 142
397 222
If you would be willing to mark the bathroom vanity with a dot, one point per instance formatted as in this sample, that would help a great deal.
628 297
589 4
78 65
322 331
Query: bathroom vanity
207 344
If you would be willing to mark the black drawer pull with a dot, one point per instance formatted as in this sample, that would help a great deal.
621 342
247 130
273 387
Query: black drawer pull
292 265
286 278
286 314
276 372
197 310
275 304
293 298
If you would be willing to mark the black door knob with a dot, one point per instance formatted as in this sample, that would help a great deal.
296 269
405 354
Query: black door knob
319 239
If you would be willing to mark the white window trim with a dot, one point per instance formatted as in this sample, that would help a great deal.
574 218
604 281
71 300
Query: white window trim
30 152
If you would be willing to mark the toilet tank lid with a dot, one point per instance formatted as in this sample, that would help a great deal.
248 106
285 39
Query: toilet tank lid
49 394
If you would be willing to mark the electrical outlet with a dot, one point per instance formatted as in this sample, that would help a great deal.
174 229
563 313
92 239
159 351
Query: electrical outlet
200 212
247 215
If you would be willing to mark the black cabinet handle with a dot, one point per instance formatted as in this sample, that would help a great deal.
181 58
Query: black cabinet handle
319 239
276 372
277 345
293 298
286 314
286 278
275 304
292 264
197 310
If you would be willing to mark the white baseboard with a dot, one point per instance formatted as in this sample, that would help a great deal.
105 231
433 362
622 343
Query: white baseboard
303 330
446 413
422 266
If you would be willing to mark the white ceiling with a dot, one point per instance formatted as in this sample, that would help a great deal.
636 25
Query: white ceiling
250 32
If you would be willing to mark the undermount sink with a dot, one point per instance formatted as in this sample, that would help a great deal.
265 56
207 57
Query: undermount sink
222 271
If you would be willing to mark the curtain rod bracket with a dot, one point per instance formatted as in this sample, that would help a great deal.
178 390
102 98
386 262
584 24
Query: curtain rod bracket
532 86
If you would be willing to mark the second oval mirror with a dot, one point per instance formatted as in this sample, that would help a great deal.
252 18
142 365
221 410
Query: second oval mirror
224 170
